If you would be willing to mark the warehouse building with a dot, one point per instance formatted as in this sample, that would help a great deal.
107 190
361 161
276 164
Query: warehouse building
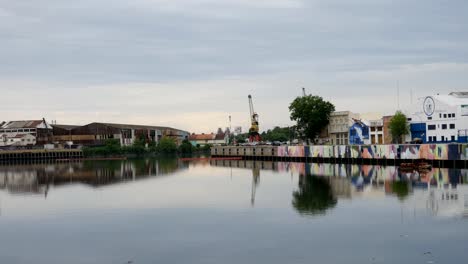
25 133
126 134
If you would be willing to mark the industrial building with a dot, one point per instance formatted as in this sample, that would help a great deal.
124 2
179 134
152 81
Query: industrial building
24 133
126 134
441 118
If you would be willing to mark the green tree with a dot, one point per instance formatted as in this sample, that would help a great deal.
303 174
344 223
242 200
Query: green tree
312 115
276 134
167 146
398 127
186 147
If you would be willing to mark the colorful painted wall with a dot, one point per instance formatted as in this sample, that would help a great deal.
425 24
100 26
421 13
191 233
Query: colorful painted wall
424 151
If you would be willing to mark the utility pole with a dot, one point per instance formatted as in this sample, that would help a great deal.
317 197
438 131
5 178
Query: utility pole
303 92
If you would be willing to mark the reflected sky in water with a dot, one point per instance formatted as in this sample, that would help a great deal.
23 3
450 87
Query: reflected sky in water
172 211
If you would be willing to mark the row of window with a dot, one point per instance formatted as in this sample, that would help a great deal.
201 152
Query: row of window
444 126
17 130
28 140
442 138
452 115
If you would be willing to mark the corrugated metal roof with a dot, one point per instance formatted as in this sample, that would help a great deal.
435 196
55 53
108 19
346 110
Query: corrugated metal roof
22 124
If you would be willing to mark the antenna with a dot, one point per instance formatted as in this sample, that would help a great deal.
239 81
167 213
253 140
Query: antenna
411 96
398 95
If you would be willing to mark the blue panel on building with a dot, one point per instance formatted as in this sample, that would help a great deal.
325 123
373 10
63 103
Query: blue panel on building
418 130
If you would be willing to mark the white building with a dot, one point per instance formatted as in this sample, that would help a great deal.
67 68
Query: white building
441 118
17 140
23 133
376 132
338 128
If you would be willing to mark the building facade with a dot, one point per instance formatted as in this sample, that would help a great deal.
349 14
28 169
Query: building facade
338 128
25 133
441 118
220 138
376 130
98 133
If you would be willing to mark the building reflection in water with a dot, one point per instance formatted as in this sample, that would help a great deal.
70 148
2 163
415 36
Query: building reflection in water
36 178
440 191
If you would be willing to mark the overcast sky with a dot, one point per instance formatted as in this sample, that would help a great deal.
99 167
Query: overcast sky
191 63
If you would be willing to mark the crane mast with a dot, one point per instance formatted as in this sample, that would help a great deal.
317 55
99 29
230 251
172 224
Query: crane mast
254 136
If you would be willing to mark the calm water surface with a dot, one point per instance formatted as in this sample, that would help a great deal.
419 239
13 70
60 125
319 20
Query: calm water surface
172 211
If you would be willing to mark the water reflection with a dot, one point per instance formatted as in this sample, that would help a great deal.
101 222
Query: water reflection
440 191
314 196
37 178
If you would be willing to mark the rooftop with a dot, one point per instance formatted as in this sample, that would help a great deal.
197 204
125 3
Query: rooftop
24 124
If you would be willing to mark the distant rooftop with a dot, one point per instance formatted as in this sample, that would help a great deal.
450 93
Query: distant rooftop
24 124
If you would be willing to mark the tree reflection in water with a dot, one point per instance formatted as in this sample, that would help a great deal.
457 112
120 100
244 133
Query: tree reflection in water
400 189
314 196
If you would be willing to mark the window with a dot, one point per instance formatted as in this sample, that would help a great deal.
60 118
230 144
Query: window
431 127
450 115
443 138
453 138
429 118
453 115
445 115
440 115
444 126
452 126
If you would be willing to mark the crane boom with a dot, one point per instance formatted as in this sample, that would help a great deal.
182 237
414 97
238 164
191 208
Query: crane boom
254 136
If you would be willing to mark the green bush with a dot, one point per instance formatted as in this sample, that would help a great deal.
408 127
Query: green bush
186 147
167 146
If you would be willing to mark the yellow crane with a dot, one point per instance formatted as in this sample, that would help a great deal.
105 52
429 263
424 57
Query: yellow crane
254 136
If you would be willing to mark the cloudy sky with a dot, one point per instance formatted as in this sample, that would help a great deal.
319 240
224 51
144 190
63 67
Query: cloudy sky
191 63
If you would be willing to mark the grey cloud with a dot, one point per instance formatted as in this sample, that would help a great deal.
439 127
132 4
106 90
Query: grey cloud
223 50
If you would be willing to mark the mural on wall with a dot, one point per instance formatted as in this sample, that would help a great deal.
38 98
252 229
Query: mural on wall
367 152
291 151
321 152
453 151
409 151
391 151
340 151
423 151
380 151
282 151
355 151
433 152
464 151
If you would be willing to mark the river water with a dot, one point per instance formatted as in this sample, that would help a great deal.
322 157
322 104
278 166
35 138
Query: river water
174 211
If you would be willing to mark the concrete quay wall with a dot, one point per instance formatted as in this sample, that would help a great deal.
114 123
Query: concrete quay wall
39 154
439 155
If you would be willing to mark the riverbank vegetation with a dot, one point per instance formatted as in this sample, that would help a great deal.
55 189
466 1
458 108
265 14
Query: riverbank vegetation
166 146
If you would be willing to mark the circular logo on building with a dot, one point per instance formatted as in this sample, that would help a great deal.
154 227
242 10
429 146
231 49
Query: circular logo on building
429 106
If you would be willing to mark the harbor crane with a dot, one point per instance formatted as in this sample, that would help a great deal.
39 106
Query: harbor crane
254 136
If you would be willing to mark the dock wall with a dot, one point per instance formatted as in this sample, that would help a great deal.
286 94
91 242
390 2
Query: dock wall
39 154
439 155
